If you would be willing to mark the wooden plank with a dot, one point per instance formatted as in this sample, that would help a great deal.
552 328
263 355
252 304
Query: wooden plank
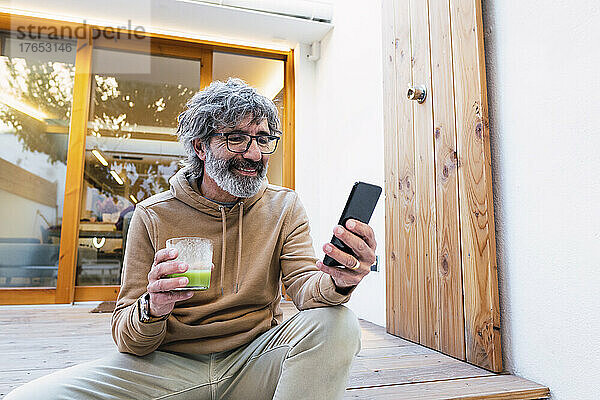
58 358
494 292
151 45
392 212
46 331
407 273
452 337
412 373
206 69
393 351
496 387
407 361
95 293
18 296
425 201
58 345
375 336
482 325
288 139
65 292
19 181
402 247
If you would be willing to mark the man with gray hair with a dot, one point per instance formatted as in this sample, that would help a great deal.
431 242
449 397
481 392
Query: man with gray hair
229 341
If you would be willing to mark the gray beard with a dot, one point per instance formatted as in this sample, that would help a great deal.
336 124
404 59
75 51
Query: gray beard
219 170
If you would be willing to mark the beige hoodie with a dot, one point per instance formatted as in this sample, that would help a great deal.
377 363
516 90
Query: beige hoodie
258 243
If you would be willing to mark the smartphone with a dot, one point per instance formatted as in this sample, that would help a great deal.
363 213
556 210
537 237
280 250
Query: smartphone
360 206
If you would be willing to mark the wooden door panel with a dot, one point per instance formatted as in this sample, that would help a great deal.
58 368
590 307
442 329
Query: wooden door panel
442 287
402 257
452 337
391 151
426 251
482 325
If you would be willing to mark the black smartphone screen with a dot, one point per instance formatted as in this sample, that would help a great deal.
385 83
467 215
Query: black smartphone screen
360 206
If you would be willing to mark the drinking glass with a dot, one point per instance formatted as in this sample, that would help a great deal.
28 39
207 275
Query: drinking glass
197 253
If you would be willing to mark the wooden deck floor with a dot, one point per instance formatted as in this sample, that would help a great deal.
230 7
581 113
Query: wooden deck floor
35 341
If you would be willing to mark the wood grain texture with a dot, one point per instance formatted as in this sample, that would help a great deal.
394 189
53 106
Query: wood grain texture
407 277
390 152
494 290
482 328
38 341
69 238
497 387
425 201
19 181
442 277
206 69
451 309
405 256
95 293
15 296
151 45
289 129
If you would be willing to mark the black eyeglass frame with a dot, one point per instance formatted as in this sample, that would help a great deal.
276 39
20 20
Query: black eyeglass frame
252 137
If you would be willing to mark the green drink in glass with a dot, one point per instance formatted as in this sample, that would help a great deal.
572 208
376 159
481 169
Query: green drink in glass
197 253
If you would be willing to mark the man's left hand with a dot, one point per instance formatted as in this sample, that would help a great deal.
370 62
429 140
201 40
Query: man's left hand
361 239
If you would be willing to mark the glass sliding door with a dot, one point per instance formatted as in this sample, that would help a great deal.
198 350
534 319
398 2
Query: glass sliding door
131 150
110 108
36 93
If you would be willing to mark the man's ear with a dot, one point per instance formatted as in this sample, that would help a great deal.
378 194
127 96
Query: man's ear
199 149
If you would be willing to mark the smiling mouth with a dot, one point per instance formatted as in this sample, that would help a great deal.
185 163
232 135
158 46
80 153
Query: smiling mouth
245 171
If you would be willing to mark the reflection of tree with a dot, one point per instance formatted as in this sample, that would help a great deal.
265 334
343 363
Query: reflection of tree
45 86
119 103
122 103
140 179
48 87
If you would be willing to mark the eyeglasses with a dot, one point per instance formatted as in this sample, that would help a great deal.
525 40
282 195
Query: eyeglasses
240 142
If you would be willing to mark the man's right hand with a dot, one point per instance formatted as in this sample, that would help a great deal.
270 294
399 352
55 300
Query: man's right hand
162 299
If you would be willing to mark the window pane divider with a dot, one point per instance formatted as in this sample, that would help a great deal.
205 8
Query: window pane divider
65 286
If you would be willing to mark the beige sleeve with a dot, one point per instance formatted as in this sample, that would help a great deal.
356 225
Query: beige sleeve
131 335
304 283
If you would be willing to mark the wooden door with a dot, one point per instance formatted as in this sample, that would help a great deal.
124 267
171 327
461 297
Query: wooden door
442 285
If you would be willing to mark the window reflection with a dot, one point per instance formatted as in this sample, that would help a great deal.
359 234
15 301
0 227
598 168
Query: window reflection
131 151
35 103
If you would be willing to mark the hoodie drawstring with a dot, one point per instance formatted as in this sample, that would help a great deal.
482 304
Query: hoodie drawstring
224 246
239 252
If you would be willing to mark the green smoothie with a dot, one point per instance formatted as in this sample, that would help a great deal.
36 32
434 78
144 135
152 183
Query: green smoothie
198 279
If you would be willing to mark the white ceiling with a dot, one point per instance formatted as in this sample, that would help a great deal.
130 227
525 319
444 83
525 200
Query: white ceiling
182 18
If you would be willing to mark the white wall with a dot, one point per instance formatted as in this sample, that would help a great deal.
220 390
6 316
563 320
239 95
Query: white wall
544 98
20 219
339 133
16 208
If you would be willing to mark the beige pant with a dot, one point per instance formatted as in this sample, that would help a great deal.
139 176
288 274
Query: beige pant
306 357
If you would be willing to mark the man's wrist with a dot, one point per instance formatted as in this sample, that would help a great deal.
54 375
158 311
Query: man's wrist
343 290
144 310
